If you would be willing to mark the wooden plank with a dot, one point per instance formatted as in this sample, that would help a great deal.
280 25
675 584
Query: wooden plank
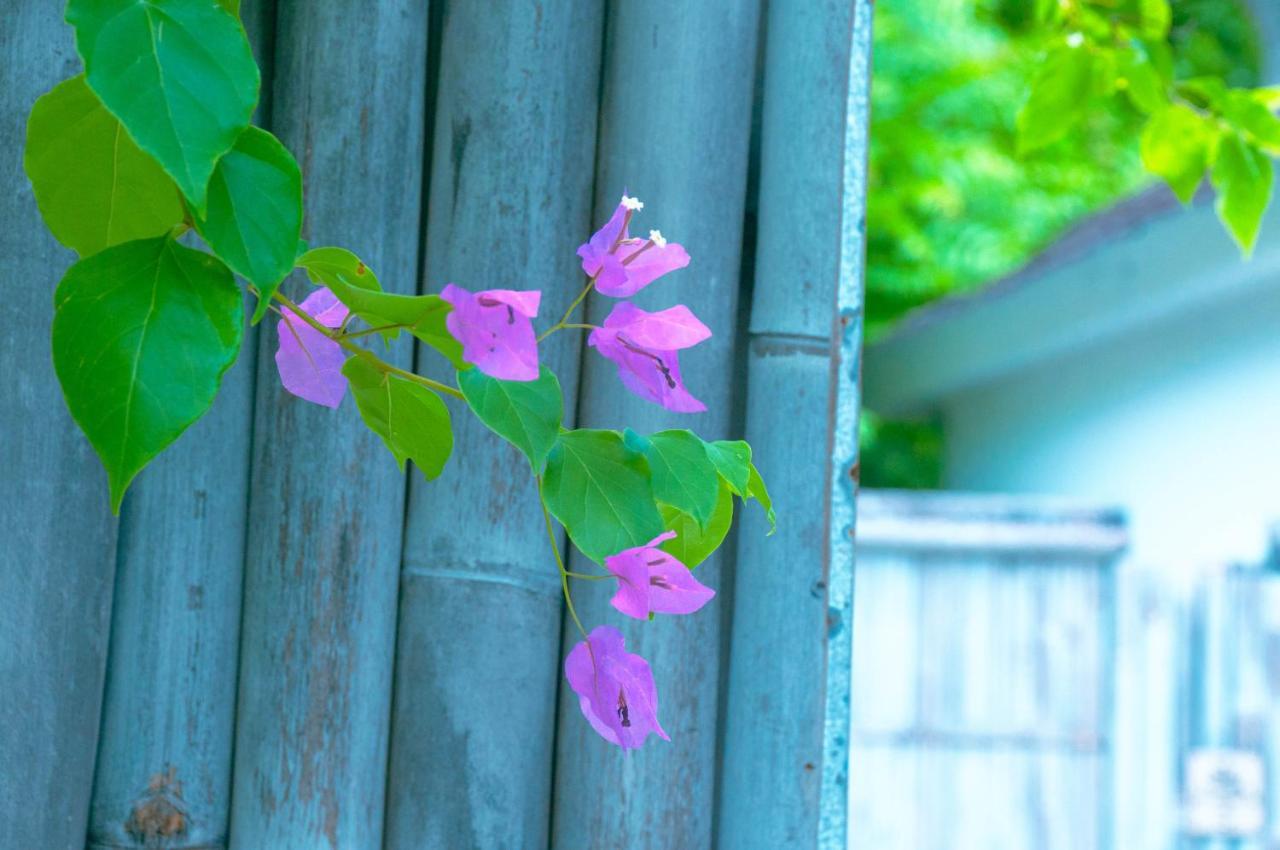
886 645
326 512
169 704
776 706
1145 744
675 127
515 132
884 790
57 560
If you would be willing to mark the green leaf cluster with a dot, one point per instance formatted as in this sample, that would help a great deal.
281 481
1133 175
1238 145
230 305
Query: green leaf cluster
1193 126
953 204
151 140
613 490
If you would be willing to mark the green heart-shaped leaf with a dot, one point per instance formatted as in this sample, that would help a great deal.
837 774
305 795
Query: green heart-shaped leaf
526 414
683 474
411 420
179 74
142 335
600 492
93 185
255 212
693 543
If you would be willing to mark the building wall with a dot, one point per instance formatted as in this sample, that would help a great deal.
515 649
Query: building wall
1179 423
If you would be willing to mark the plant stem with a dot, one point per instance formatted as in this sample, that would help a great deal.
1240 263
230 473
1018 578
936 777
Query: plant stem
567 313
381 364
587 577
368 331
564 573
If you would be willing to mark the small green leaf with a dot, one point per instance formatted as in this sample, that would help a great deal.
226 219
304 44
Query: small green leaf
232 6
412 421
1146 86
1242 177
179 74
1175 146
1251 117
355 285
142 335
526 414
93 185
601 492
693 544
1059 98
683 474
733 461
1156 16
757 491
255 212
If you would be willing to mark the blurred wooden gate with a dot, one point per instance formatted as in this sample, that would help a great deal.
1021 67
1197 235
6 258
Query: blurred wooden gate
285 644
1197 761
983 666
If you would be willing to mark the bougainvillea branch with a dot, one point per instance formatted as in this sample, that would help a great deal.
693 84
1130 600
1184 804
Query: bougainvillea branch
151 145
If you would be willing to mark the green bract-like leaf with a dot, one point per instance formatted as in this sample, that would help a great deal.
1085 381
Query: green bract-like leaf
1058 98
601 493
232 6
412 421
526 414
355 285
255 212
179 74
142 334
693 544
733 461
93 185
682 472
757 491
1175 145
1242 177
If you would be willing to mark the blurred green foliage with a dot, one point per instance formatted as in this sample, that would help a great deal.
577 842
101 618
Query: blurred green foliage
953 204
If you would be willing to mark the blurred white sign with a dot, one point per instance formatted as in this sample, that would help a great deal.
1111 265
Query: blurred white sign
1224 793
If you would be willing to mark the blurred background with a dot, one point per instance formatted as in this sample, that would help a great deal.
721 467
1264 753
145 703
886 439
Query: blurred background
1067 614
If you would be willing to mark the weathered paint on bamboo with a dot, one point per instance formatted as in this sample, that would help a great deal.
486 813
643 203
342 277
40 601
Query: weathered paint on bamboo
675 128
983 631
775 710
163 775
474 715
57 555
326 511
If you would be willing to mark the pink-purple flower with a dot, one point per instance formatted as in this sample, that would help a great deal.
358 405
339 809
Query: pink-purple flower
495 330
623 265
615 689
309 362
652 581
644 346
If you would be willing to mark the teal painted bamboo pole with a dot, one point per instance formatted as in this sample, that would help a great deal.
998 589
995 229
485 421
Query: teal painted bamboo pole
326 513
790 623
675 131
164 755
57 535
474 715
